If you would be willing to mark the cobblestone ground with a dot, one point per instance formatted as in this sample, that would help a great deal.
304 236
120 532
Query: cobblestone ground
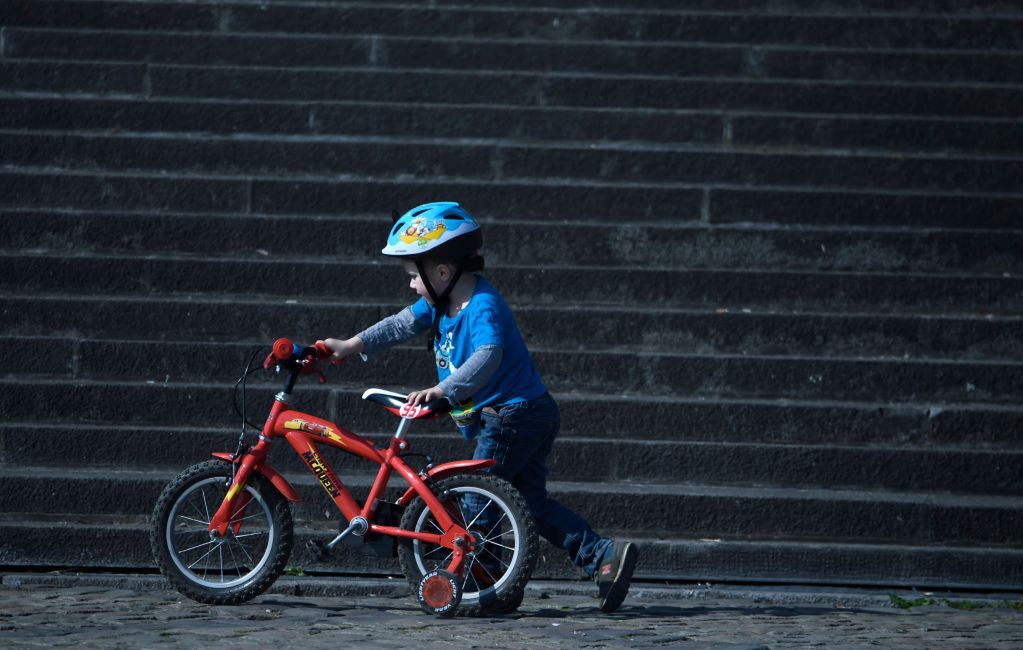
34 615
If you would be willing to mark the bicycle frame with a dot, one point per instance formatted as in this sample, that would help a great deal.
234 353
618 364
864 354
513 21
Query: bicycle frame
303 432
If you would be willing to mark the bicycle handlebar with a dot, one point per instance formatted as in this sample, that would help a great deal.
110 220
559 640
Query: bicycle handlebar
285 350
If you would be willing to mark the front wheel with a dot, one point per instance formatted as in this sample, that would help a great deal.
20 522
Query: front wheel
227 570
495 574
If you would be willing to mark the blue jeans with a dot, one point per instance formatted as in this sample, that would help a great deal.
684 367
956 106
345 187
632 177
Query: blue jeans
519 437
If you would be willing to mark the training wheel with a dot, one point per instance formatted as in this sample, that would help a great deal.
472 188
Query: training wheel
439 593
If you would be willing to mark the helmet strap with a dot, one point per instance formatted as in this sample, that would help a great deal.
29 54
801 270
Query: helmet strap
440 303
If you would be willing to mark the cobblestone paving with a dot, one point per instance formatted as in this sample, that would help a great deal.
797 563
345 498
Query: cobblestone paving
34 615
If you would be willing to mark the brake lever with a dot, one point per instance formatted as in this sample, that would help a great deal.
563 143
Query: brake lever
309 367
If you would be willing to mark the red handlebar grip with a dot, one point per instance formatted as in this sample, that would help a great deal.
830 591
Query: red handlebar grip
323 351
282 349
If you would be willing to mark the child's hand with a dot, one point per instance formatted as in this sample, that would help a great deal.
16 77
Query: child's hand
423 396
343 349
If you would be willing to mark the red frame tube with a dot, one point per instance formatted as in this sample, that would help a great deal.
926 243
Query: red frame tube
303 431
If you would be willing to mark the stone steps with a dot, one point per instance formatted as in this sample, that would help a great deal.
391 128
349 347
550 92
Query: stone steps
321 157
485 87
53 188
722 127
961 470
590 415
643 508
665 58
820 29
704 330
661 374
343 281
124 543
681 245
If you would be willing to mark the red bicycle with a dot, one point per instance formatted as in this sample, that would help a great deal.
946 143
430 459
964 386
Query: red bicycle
222 530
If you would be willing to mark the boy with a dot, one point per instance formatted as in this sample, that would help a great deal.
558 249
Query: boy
487 374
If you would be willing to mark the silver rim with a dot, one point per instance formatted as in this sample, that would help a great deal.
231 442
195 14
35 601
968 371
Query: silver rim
224 562
497 552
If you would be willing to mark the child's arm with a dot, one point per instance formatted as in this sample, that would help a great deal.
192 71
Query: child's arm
377 338
465 382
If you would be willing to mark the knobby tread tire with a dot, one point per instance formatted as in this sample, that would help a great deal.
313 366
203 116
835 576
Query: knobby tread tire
511 593
280 512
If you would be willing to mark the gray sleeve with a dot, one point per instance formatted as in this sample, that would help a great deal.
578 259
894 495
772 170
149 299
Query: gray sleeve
477 370
393 329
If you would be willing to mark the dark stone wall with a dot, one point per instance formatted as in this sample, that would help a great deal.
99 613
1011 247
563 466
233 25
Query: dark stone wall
767 255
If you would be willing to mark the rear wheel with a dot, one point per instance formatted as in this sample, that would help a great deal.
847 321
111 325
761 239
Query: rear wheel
220 570
496 573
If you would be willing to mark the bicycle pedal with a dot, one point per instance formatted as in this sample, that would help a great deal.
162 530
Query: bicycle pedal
319 549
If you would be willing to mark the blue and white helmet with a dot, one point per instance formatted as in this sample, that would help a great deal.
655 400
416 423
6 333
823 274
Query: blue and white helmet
441 229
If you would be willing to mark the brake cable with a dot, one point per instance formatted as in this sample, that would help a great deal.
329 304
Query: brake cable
243 380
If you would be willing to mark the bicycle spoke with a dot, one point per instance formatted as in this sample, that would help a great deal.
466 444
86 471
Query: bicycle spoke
212 541
496 557
255 514
510 548
478 514
435 549
504 515
244 550
201 523
208 553
205 504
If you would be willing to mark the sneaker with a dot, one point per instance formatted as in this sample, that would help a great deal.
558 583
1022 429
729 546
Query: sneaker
614 574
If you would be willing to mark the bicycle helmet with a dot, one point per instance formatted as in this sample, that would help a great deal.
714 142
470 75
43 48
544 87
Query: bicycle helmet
436 230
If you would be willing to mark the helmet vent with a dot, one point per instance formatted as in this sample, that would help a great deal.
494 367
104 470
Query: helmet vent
397 227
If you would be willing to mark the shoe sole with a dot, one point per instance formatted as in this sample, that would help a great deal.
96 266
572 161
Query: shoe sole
620 588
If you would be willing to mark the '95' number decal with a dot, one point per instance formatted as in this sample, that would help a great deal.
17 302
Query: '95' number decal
410 411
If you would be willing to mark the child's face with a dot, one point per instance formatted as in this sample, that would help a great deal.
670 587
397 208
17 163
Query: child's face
438 274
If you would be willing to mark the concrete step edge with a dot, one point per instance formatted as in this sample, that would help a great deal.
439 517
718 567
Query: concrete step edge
365 479
589 352
691 225
564 438
376 262
565 41
516 182
613 308
639 110
499 144
490 74
358 389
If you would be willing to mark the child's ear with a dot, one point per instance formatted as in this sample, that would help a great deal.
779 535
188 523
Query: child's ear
444 272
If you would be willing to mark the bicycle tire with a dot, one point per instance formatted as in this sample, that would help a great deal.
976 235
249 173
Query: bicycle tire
517 537
179 536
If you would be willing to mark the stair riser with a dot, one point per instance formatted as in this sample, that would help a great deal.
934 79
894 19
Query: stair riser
375 50
647 374
128 547
824 30
701 333
384 281
511 89
36 189
635 245
547 123
991 472
629 417
486 162
808 518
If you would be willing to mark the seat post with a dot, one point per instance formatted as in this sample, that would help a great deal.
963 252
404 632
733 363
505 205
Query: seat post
402 428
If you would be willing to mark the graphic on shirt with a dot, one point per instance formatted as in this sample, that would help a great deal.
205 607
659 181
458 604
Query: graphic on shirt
422 231
443 353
